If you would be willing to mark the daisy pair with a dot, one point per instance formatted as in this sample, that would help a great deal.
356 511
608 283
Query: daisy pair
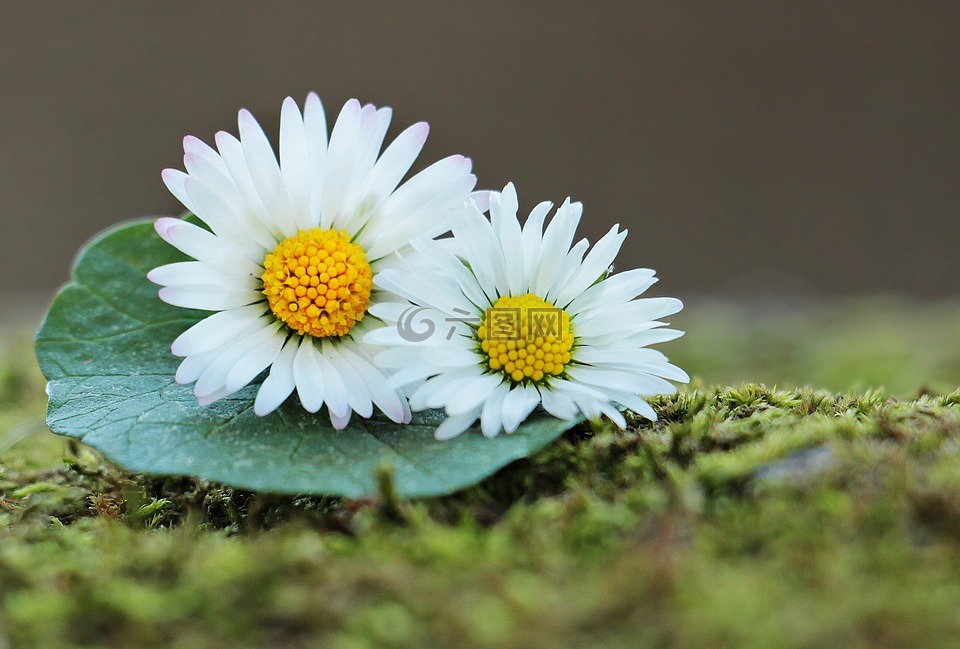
310 263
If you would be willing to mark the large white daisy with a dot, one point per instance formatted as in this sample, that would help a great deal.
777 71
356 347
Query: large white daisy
292 247
500 319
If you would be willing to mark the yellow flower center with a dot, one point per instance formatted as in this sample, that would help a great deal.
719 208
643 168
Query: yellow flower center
526 338
318 282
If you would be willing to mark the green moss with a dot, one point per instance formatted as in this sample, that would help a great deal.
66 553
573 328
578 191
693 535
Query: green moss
748 516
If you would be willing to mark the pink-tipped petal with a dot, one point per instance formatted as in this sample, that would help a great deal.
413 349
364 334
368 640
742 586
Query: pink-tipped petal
481 200
192 143
163 226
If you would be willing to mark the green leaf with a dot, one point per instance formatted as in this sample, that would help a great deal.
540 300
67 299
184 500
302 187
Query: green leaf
104 346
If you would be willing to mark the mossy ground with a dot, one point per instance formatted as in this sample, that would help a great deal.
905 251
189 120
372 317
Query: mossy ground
748 516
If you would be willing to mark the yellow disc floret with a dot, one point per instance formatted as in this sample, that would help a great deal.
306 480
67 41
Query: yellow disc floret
526 338
318 282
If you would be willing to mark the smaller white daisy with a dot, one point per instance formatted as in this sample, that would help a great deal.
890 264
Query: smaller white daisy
292 247
513 318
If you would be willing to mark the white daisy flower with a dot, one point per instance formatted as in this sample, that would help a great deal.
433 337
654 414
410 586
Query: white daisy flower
499 319
291 251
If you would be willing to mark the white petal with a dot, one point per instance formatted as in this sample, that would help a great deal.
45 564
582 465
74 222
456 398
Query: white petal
629 381
491 419
596 263
193 366
654 336
392 312
508 232
351 215
665 370
431 219
419 326
460 389
473 394
174 180
626 316
206 246
589 405
387 399
396 161
341 156
532 236
422 187
569 266
493 209
614 415
214 377
435 257
198 273
213 397
399 357
660 369
620 354
280 383
431 365
435 350
616 289
357 393
214 197
556 243
440 293
373 127
451 356
295 162
408 378
441 390
255 361
315 126
265 173
480 248
308 376
335 395
518 405
340 421
219 205
558 405
200 150
634 403
231 151
209 298
647 333
480 199
217 330
390 336
454 426
413 375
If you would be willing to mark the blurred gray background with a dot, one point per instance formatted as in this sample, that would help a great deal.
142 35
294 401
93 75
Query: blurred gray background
751 147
